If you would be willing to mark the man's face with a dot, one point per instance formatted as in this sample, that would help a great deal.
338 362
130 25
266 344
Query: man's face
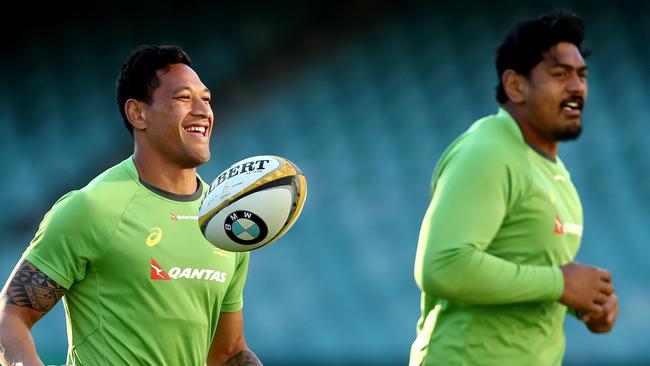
556 92
180 118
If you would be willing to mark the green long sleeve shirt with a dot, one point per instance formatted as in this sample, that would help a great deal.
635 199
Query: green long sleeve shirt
502 219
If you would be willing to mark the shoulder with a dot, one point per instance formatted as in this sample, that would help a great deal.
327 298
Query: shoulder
107 193
490 155
114 187
489 143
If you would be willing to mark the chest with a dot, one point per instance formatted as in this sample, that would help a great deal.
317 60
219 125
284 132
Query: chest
544 224
157 250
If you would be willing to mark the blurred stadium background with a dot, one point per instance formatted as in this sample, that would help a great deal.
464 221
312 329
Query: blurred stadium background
363 96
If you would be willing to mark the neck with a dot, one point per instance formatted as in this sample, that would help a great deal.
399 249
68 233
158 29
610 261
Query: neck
164 174
532 136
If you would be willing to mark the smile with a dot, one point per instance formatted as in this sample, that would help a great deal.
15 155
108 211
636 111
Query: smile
197 130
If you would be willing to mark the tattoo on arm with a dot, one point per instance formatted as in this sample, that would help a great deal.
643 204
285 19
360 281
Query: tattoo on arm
32 288
244 358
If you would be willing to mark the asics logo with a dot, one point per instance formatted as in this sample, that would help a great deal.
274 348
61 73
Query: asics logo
154 237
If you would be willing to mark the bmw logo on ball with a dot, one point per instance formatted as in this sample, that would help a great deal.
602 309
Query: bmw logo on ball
244 227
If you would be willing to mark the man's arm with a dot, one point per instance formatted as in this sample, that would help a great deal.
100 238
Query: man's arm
28 295
228 346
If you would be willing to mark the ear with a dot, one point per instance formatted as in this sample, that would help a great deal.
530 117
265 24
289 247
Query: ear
136 114
515 86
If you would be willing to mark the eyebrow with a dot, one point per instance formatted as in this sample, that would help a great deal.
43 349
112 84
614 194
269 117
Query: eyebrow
570 67
178 90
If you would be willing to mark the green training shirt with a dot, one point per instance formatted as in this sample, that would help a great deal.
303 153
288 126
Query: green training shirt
503 218
144 286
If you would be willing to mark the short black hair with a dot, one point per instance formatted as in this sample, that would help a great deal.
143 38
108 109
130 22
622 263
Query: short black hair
524 45
138 78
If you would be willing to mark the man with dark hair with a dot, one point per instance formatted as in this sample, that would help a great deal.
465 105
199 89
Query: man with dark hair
141 286
497 243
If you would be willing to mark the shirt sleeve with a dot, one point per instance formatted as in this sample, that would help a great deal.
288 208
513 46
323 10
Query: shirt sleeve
66 240
471 195
234 299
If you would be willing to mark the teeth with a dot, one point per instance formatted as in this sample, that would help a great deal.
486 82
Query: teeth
569 106
195 129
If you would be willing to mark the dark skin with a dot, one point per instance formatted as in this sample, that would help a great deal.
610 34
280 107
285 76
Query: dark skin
547 106
605 322
172 135
26 298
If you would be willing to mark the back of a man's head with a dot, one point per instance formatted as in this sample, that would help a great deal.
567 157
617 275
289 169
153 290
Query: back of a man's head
138 79
524 45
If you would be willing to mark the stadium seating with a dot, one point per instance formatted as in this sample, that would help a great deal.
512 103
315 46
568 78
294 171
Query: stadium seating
366 124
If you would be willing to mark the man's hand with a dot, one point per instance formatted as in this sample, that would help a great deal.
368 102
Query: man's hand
605 322
586 289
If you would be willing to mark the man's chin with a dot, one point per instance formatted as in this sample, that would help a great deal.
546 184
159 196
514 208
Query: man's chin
203 158
196 159
569 133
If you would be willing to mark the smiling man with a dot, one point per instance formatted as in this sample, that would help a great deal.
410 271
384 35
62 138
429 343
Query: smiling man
117 250
497 243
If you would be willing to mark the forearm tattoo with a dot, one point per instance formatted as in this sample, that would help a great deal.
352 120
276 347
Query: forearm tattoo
244 358
33 289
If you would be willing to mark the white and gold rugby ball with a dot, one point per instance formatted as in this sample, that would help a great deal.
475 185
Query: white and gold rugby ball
252 203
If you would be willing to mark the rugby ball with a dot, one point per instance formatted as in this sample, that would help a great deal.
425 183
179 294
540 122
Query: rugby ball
252 203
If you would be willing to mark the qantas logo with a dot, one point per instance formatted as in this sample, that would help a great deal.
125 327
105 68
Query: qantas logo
567 228
175 217
157 273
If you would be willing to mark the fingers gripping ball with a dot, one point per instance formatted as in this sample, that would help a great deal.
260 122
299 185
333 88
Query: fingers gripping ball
252 203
